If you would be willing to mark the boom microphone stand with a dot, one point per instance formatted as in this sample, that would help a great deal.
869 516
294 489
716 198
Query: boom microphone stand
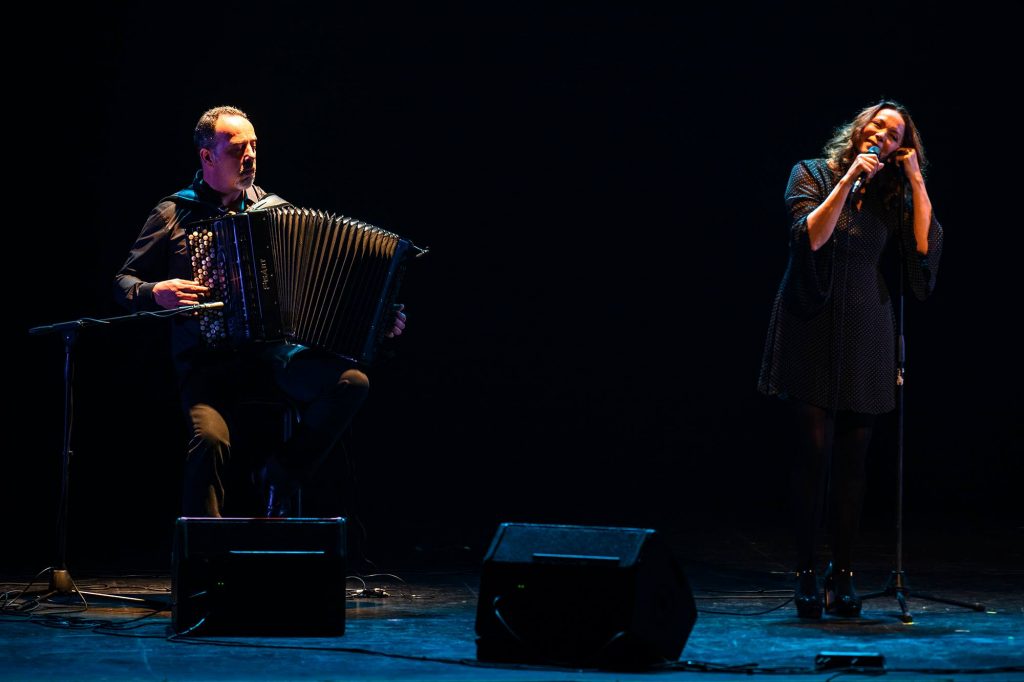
60 580
896 586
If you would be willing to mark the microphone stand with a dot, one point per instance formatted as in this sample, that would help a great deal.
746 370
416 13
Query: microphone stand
60 580
896 586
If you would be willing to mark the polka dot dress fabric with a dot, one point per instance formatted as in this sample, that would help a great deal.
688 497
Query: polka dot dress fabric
831 339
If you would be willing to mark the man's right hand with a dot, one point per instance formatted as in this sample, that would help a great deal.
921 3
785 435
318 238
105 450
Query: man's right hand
175 293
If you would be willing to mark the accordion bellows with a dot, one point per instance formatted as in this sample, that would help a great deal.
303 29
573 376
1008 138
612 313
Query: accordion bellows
307 276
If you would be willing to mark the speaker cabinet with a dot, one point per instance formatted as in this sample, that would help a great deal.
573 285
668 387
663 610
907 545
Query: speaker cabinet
582 596
256 576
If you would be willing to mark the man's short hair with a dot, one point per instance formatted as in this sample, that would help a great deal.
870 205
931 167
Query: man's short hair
206 127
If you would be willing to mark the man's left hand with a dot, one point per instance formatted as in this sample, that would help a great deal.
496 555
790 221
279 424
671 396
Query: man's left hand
399 324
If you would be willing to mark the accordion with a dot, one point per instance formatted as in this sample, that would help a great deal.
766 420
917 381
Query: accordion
306 276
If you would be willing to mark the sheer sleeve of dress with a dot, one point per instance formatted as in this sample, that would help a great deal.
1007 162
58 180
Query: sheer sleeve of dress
921 269
811 272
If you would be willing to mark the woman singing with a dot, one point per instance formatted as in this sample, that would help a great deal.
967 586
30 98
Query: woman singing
830 351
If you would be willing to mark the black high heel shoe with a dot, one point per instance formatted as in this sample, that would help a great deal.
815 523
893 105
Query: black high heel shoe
806 595
840 596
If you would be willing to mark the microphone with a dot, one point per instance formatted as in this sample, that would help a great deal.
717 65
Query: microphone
873 149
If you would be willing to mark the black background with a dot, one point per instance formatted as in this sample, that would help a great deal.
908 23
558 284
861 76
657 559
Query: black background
600 186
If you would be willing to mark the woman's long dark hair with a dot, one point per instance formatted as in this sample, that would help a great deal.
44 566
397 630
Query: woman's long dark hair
844 146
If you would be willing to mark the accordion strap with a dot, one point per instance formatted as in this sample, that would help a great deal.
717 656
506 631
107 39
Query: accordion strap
268 201
191 195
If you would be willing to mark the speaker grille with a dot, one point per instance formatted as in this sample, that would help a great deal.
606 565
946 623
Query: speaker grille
589 596
256 576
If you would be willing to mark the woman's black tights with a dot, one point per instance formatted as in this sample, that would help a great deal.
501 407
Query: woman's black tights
831 449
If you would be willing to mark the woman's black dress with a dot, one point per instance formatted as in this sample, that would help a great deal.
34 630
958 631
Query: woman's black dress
831 340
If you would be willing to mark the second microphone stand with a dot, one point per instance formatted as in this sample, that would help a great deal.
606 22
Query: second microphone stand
60 581
896 586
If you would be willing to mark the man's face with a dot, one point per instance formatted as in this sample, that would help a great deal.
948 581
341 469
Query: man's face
230 166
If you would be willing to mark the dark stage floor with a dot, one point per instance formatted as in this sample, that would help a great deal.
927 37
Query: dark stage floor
424 628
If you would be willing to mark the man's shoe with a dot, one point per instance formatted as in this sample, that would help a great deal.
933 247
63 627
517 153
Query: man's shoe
278 502
276 497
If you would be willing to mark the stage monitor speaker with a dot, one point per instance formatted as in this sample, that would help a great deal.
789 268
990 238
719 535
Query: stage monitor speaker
259 576
582 596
